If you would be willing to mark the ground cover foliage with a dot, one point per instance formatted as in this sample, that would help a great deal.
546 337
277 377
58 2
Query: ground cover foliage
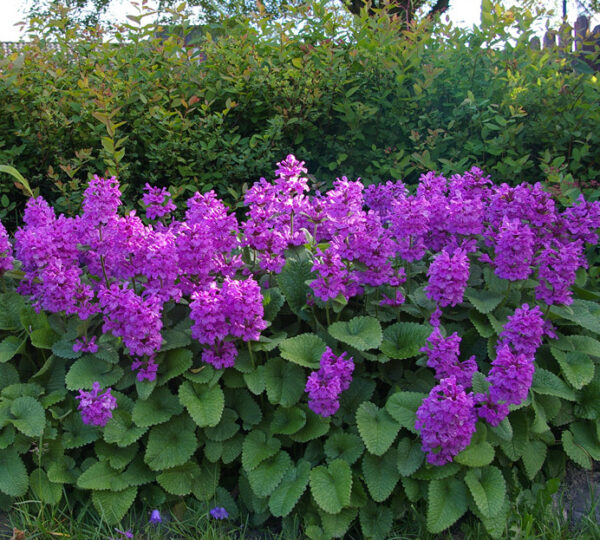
331 358
360 94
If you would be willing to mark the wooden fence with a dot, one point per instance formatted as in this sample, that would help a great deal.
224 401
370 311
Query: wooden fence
578 39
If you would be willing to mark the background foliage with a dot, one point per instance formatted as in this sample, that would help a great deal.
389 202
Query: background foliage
359 93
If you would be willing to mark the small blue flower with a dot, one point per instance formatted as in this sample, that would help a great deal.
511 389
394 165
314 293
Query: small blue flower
219 513
155 517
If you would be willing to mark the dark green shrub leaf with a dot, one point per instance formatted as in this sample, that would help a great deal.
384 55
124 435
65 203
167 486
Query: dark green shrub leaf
345 446
533 458
404 340
336 525
410 456
28 416
287 421
577 367
546 383
158 408
257 448
13 475
575 452
179 480
85 371
483 300
305 350
43 489
268 475
376 521
362 333
286 495
376 427
447 502
284 382
403 406
9 347
330 486
207 482
204 403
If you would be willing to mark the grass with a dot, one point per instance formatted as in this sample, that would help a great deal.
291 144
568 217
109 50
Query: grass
534 516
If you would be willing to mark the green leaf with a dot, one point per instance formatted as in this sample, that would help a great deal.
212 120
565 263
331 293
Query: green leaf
257 448
547 383
376 521
62 471
113 505
255 380
120 429
533 458
330 486
179 480
575 452
175 339
476 455
284 382
11 304
316 426
64 349
272 302
345 446
404 340
101 476
13 475
46 491
9 347
583 344
43 338
403 406
246 407
175 363
76 433
225 429
18 177
292 282
287 421
204 403
483 300
118 458
381 474
362 333
305 350
410 456
85 371
577 367
171 444
488 488
292 486
268 475
583 312
157 409
447 502
481 324
28 416
585 434
376 427
336 525
205 486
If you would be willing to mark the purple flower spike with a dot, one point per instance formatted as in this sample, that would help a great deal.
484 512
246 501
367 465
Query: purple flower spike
126 534
96 408
155 517
158 202
218 512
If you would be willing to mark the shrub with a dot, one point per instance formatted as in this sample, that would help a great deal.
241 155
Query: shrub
334 356
357 93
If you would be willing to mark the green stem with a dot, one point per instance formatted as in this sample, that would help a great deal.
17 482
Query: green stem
327 313
251 355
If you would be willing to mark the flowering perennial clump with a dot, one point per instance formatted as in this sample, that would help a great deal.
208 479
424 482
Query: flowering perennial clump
125 274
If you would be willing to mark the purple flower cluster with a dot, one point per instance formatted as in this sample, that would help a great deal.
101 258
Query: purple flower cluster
558 264
157 201
6 258
85 345
96 408
446 420
514 250
510 377
325 385
448 276
219 512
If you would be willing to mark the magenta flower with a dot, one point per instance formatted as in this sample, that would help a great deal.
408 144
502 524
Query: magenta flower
6 257
157 201
96 408
448 275
510 377
85 345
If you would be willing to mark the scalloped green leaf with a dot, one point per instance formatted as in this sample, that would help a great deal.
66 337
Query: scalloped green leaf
345 446
157 409
576 452
11 305
305 350
225 429
404 340
257 448
174 363
28 416
476 455
269 474
577 367
204 403
583 344
284 498
207 482
284 382
287 421
447 502
377 427
117 457
488 488
583 312
113 505
179 480
483 300
64 349
336 525
76 433
85 371
9 347
292 282
410 456
13 475
376 521
547 383
533 458
171 444
46 491
316 426
121 430
331 486
246 407
381 474
273 300
101 476
362 333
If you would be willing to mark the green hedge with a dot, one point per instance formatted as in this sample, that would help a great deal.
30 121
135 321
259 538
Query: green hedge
356 94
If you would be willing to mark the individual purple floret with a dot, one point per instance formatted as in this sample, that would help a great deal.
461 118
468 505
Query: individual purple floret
85 345
155 517
6 257
582 220
514 250
96 408
157 201
446 420
146 368
448 275
490 411
558 265
220 355
510 377
126 534
218 512
524 330
442 356
325 385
